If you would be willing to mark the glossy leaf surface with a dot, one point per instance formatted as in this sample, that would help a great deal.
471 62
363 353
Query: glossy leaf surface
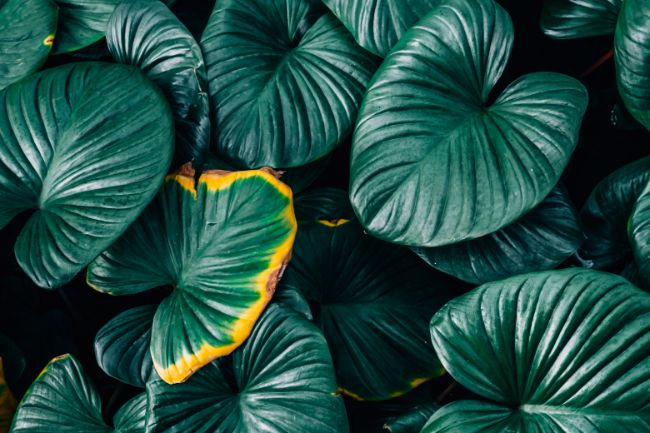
62 399
372 301
221 247
540 240
85 145
433 163
122 346
279 381
286 78
606 213
557 351
377 25
27 28
82 23
632 56
570 19
148 35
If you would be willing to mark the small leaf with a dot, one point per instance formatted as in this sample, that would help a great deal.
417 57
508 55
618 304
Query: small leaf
122 346
131 418
411 421
639 234
287 79
606 213
280 380
433 162
570 19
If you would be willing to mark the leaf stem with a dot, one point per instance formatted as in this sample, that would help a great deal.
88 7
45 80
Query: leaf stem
601 61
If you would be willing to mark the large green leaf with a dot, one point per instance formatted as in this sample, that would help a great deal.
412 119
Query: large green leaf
62 399
86 145
146 34
433 163
122 346
377 25
279 381
639 234
632 56
82 23
570 19
220 247
539 240
557 351
372 301
27 28
287 80
606 213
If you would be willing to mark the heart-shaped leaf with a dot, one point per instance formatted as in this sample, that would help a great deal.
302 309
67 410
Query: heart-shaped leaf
632 56
27 28
557 351
287 79
82 23
377 25
539 240
279 381
146 34
62 399
371 300
433 163
570 19
86 145
220 246
606 213
122 346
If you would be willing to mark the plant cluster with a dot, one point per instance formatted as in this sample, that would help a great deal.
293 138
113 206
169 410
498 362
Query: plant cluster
175 158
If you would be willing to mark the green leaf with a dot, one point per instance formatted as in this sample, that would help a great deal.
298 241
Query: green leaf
122 346
632 57
287 79
606 213
146 34
330 204
82 23
220 247
556 351
300 178
570 19
411 421
131 418
377 25
27 28
279 381
540 240
85 145
639 234
62 399
371 300
433 163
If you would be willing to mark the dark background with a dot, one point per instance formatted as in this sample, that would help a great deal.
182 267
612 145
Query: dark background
48 323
